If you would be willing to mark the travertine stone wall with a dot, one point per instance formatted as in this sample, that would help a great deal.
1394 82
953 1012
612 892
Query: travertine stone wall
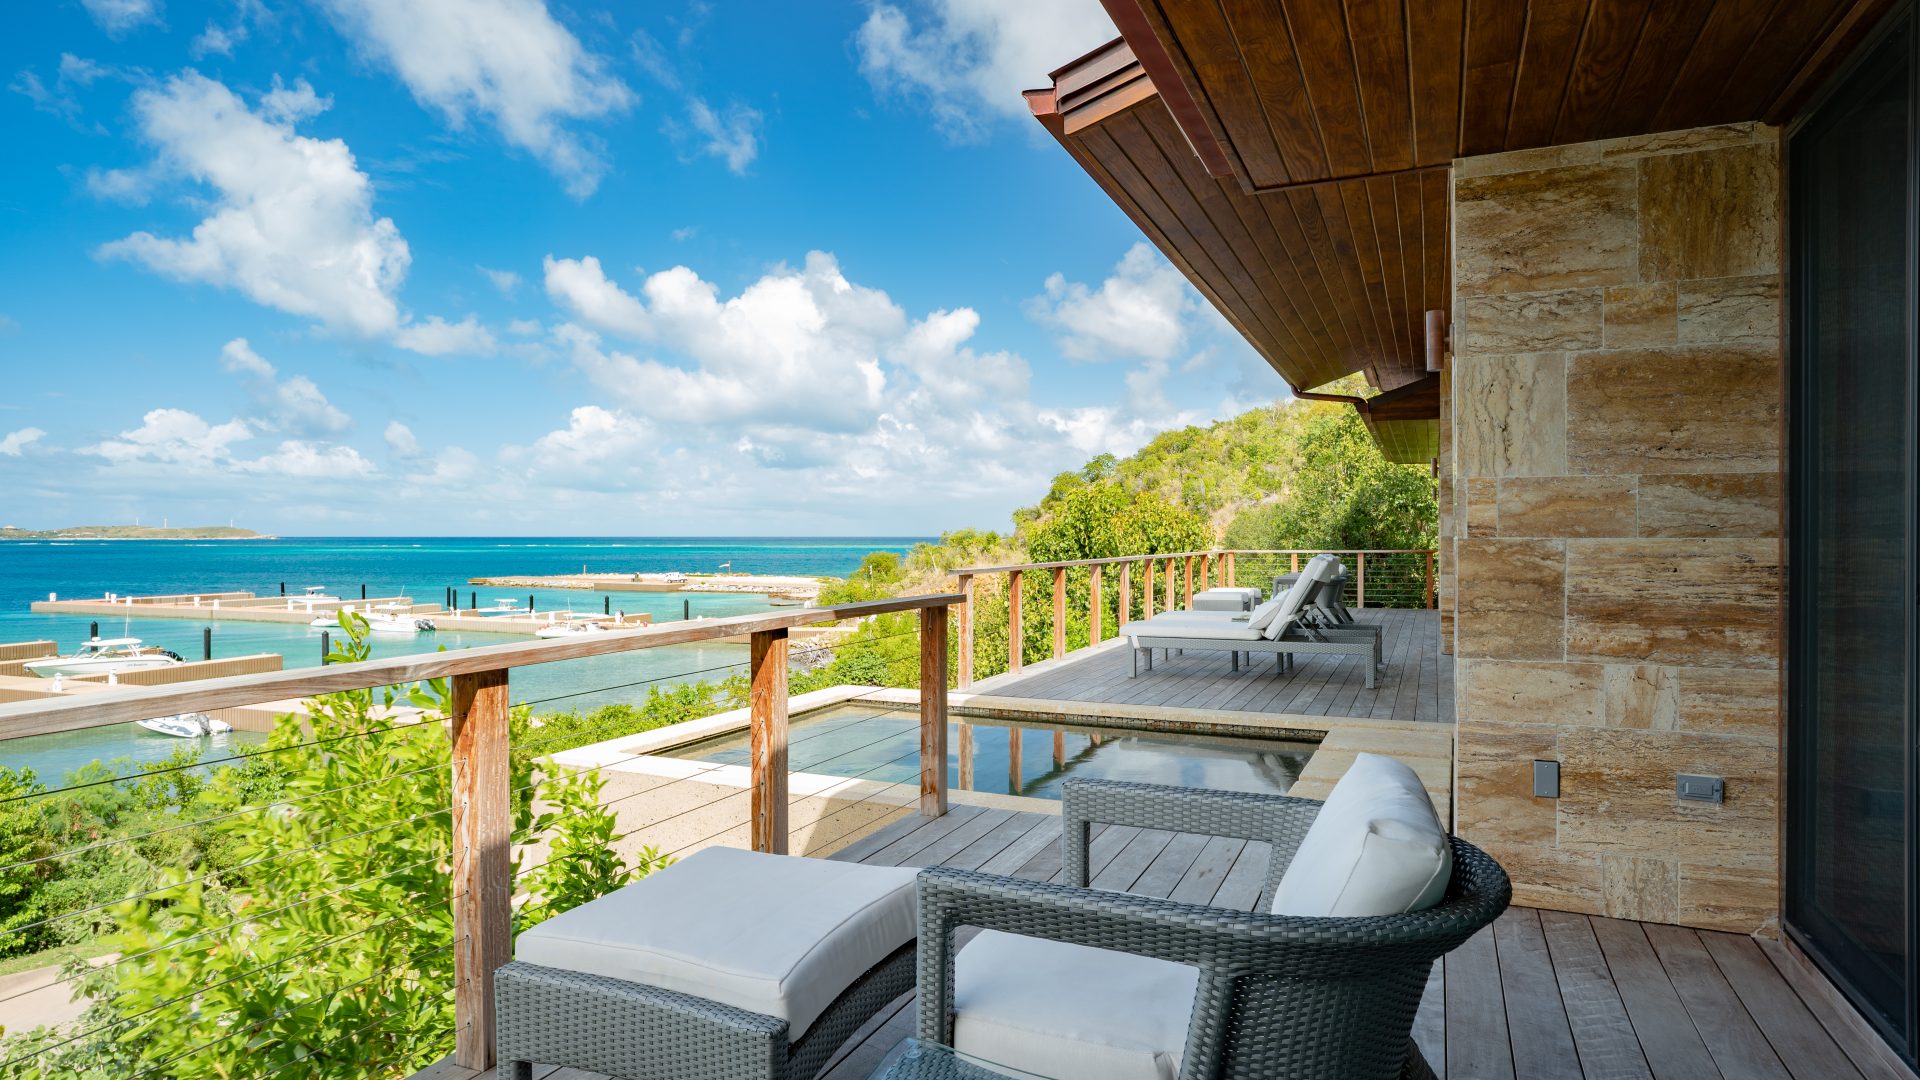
1615 407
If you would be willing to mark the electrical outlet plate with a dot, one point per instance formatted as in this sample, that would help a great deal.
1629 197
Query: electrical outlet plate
1546 779
1695 788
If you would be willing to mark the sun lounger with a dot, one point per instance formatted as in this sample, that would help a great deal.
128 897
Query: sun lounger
1275 628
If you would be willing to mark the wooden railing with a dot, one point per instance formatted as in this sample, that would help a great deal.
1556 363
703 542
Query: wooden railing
481 812
998 597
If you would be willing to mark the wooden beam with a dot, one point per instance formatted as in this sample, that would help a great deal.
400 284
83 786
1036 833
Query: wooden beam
1168 606
1146 591
1126 596
1360 580
482 878
1094 612
1016 645
1230 577
964 654
1059 748
767 723
1189 593
1013 760
1059 612
933 711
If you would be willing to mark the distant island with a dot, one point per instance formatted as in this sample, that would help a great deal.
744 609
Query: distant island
131 532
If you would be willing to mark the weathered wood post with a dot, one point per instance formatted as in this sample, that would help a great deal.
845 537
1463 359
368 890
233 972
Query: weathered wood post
1189 585
1231 581
1360 579
1094 611
1168 605
482 883
933 711
1126 596
1059 612
1429 600
1016 644
964 657
965 778
1146 591
767 722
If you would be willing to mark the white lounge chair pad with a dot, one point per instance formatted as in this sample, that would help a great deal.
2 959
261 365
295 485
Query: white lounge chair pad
777 935
1069 1011
1205 629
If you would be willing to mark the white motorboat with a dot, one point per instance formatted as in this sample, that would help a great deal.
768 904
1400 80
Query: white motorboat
190 725
390 622
571 628
503 606
104 656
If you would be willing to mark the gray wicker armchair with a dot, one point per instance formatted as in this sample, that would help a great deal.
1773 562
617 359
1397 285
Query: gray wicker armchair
1278 996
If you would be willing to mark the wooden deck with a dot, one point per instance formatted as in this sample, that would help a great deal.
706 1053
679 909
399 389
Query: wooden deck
1541 994
1416 684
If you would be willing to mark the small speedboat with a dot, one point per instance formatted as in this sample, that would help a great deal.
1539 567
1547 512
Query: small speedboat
504 606
186 725
389 622
571 629
104 656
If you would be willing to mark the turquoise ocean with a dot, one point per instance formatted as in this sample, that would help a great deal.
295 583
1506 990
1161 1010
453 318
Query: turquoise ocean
420 567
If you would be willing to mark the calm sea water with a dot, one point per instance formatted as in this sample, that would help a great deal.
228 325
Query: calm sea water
420 567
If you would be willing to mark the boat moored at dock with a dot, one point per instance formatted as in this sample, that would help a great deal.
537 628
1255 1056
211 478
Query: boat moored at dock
104 656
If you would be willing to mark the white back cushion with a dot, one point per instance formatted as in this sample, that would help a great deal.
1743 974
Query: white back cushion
1376 848
1260 616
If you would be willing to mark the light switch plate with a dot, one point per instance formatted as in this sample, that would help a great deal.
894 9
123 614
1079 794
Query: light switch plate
1700 788
1546 779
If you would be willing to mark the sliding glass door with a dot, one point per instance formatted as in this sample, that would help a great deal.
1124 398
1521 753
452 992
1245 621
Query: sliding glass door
1850 841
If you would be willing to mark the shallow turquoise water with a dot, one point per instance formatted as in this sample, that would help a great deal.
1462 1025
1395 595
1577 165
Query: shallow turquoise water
421 567
884 745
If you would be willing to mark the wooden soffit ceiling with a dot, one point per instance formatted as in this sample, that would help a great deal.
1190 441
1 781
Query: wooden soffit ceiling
1290 156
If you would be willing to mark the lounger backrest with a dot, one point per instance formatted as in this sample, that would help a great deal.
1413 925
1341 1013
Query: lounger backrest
1295 597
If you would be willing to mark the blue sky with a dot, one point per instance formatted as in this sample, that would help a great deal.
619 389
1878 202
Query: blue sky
508 266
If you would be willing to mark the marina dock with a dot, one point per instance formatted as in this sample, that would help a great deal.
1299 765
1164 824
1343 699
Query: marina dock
247 607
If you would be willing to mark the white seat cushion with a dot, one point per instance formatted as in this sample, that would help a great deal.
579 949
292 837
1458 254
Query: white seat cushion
772 934
1221 627
1071 1012
1375 848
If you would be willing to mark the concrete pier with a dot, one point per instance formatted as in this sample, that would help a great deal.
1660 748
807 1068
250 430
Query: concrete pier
246 607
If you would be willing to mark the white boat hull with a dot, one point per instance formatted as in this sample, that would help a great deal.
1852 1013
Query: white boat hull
85 665
186 725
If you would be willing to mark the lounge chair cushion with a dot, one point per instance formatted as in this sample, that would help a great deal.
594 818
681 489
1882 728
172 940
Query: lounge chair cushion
1264 614
1186 625
1375 848
776 935
1071 1012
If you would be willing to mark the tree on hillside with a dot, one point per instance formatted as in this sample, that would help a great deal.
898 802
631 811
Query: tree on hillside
1343 495
1103 519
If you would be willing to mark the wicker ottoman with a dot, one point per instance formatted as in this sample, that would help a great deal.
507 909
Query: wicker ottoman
728 965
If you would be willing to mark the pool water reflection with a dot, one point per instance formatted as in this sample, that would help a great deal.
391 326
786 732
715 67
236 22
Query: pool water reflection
1021 759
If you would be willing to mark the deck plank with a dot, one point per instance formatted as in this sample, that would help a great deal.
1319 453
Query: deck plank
1602 1033
1736 1042
1477 1041
1803 1044
1536 1018
1673 1047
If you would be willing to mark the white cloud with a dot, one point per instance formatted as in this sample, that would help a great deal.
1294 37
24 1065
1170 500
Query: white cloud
582 288
508 60
685 233
174 437
523 327
117 17
292 225
293 405
17 441
1141 311
438 337
76 73
299 458
400 440
130 186
592 435
504 280
733 138
969 59
216 39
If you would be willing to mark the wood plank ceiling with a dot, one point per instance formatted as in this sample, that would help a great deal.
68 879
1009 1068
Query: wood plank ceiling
1291 156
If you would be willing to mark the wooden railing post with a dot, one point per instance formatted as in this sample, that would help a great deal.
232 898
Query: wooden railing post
1206 568
1360 579
1429 600
933 711
1189 593
963 675
1296 562
1059 612
1016 633
482 817
1168 605
1013 760
965 780
767 723
1146 591
1230 575
1126 595
1094 611
1059 748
